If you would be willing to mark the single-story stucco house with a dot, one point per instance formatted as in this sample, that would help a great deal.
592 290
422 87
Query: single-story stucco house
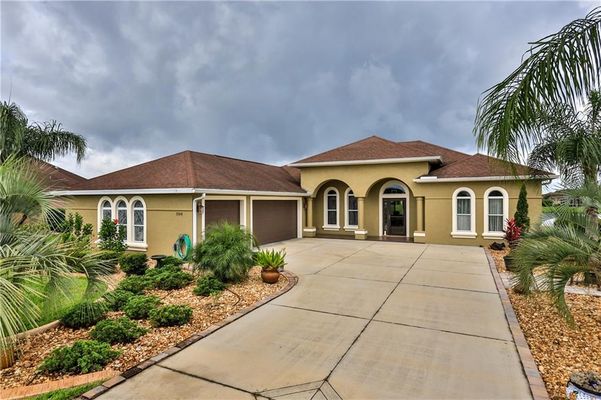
375 187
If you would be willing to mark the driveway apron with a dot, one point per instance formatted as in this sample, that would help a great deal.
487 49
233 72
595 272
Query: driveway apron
367 320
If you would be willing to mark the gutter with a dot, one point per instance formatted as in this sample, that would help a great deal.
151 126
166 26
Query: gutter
195 217
104 192
435 179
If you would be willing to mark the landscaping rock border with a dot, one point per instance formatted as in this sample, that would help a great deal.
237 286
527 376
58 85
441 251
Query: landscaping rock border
97 391
535 381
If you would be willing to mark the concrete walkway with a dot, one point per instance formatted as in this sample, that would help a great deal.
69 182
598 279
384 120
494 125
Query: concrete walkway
367 320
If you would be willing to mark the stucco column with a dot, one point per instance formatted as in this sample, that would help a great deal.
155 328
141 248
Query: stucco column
420 233
361 233
309 230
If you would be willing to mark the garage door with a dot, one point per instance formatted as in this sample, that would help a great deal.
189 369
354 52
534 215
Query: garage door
274 220
221 211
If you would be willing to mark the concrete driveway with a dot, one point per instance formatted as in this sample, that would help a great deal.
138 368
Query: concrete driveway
367 320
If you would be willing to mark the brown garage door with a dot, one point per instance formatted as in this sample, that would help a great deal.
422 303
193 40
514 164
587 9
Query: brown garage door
222 211
274 220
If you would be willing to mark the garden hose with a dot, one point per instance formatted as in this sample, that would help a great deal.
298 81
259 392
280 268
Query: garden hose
183 246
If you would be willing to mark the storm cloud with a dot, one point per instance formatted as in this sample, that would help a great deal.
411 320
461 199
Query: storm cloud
270 82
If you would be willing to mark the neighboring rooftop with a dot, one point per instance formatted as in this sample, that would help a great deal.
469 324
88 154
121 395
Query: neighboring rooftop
57 178
190 169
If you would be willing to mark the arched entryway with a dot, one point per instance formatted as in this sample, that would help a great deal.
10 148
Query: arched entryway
394 209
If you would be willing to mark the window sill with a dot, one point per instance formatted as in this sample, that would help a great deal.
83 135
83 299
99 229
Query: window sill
331 227
136 246
351 228
464 235
493 235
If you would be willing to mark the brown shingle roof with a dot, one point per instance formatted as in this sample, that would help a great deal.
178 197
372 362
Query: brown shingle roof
448 155
480 165
57 178
371 148
191 169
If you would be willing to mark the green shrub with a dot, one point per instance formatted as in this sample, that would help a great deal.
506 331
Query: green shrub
270 260
226 252
82 357
208 285
121 330
112 236
172 280
171 315
135 284
116 299
133 263
138 307
172 261
521 213
84 314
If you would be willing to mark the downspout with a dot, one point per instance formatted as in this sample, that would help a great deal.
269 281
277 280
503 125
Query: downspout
195 217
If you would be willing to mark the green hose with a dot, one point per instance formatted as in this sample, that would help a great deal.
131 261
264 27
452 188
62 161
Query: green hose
183 246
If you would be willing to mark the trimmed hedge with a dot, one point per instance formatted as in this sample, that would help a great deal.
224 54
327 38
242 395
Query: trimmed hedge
134 284
171 261
174 315
116 299
138 307
121 330
172 280
133 263
208 285
82 357
84 314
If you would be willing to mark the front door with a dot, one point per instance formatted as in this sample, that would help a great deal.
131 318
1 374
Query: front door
394 217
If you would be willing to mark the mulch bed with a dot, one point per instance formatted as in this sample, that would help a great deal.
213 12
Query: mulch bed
558 348
207 311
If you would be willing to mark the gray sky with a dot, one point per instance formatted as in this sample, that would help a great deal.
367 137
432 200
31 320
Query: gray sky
270 82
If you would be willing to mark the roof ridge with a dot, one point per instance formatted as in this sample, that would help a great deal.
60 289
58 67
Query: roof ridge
190 177
140 164
234 158
435 145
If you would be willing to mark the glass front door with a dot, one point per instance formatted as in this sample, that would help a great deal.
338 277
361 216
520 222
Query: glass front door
394 217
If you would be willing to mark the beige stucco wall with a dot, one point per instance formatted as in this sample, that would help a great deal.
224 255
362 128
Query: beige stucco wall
367 180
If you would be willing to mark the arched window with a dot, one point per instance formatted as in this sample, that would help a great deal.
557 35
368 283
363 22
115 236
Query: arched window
330 208
139 221
394 188
352 210
122 213
464 213
106 210
496 211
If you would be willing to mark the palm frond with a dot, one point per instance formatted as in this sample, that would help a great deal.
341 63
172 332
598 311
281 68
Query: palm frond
49 140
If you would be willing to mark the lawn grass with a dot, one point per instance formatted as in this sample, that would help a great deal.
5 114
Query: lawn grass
74 287
67 394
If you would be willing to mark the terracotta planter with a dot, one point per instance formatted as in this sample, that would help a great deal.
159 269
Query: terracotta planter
270 276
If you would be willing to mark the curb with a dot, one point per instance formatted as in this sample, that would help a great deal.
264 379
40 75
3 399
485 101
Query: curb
97 391
535 382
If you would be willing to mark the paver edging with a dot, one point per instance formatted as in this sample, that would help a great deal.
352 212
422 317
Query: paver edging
97 391
529 367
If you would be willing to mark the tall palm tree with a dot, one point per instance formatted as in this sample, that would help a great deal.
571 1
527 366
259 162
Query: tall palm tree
30 252
556 254
560 68
44 141
571 141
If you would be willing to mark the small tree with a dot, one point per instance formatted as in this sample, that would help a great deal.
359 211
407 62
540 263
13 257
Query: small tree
521 213
112 236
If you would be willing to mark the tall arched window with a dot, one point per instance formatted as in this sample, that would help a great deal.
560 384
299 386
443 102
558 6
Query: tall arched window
496 211
352 210
330 208
464 213
122 213
139 221
106 210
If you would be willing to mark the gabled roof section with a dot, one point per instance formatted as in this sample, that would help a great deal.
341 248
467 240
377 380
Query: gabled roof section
57 178
480 166
370 149
448 155
194 170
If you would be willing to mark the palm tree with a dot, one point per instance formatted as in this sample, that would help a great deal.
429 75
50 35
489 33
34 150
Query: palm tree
30 252
572 141
44 141
557 254
560 68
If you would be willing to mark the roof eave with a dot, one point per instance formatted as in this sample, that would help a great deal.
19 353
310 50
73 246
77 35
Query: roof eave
103 192
367 162
435 179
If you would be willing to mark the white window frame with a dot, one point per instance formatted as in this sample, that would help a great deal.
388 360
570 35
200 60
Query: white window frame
327 226
382 196
116 214
100 209
495 235
347 211
133 242
471 234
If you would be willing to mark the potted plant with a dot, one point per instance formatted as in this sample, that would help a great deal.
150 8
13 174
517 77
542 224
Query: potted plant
512 234
584 385
271 262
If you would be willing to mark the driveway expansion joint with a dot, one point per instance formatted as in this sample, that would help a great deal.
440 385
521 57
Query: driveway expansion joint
446 287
